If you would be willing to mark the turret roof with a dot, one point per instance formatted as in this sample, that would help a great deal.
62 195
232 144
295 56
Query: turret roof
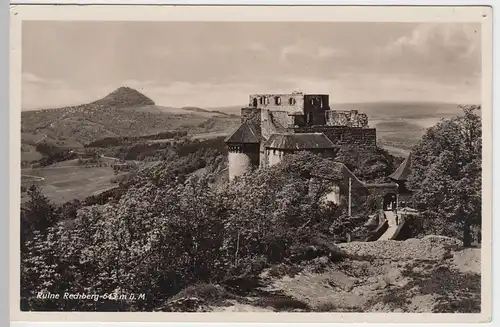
248 132
339 171
401 174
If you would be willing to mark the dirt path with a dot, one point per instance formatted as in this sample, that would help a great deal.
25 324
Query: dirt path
393 226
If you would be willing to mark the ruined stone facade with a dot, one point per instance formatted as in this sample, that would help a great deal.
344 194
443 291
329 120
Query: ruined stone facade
349 118
297 118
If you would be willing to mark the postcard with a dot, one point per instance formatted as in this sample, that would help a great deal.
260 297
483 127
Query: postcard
251 163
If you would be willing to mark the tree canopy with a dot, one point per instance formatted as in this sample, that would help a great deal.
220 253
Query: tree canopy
170 229
446 174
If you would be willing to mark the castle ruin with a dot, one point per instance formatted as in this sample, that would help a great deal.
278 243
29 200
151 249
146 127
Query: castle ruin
273 125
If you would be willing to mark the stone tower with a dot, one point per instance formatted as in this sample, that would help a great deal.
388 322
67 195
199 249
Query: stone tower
244 144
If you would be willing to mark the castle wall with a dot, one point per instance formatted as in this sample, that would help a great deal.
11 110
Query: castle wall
333 195
342 135
251 114
242 159
351 118
315 106
286 102
239 164
274 157
263 160
272 120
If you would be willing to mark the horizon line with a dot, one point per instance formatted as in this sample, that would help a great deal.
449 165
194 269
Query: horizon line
243 106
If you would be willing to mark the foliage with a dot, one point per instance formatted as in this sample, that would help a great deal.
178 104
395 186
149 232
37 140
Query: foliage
370 165
154 241
37 214
167 231
116 141
274 209
167 228
446 174
52 154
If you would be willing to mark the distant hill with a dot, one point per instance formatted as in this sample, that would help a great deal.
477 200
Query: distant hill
402 110
123 112
231 110
380 110
124 97
195 109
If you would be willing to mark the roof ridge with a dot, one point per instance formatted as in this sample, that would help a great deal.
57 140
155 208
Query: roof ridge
241 134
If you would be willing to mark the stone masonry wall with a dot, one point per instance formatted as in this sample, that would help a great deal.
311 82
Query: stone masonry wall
292 103
351 118
272 120
252 114
341 135
242 158
315 106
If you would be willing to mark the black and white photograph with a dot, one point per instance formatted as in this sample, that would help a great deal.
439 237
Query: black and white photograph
252 166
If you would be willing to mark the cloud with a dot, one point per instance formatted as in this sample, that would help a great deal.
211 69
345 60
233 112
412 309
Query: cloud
160 53
344 87
31 78
306 49
325 52
428 62
45 93
449 42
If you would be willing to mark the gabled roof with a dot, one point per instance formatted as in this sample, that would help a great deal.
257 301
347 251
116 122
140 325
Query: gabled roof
338 171
401 174
299 141
248 132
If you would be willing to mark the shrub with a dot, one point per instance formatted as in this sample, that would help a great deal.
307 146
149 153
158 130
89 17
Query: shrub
282 303
211 294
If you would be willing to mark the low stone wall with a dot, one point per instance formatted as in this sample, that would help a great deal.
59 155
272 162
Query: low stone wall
381 229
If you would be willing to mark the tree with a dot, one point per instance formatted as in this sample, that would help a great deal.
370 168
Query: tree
446 174
273 209
38 213
370 165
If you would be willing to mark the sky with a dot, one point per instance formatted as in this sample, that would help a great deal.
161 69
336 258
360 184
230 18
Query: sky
211 64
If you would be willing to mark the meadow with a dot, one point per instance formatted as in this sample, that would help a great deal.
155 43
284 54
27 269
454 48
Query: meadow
65 183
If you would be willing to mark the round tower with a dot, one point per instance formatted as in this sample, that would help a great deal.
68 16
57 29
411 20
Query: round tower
242 158
244 144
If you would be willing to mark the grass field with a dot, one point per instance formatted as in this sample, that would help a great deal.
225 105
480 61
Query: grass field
401 134
62 184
